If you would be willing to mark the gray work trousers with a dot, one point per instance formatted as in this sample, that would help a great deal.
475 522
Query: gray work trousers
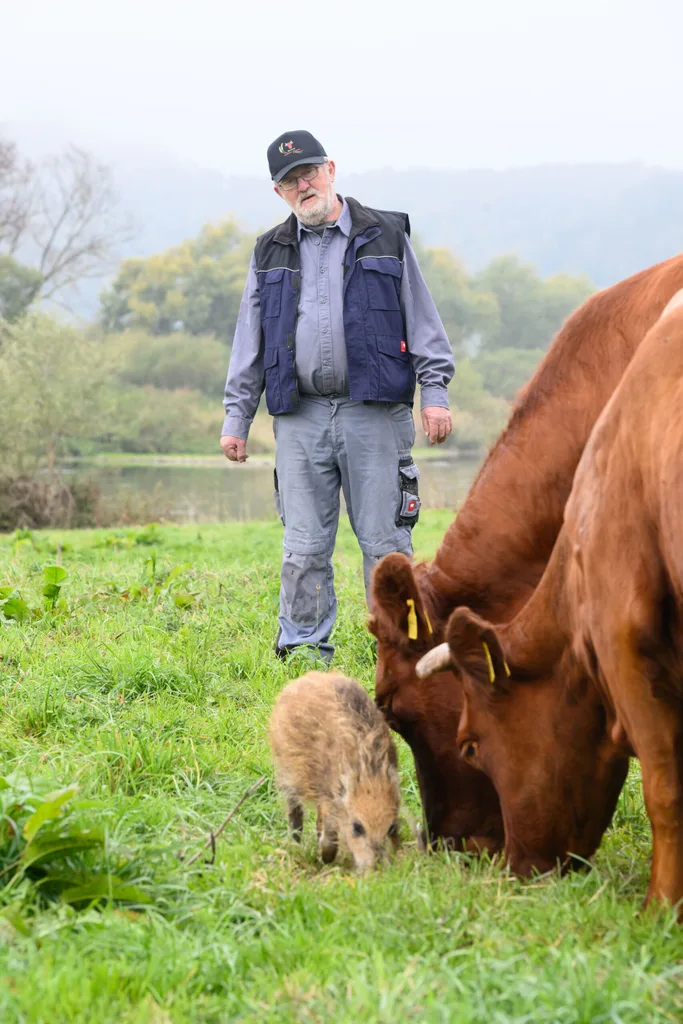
364 448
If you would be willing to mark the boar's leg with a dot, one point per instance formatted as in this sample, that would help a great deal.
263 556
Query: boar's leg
327 838
295 813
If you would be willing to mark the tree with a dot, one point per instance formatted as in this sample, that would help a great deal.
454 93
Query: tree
172 361
19 285
15 196
54 383
531 309
195 287
506 370
62 216
464 311
478 417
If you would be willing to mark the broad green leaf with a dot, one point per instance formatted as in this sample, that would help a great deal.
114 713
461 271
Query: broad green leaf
16 608
183 599
5 592
54 574
51 590
104 887
48 811
55 846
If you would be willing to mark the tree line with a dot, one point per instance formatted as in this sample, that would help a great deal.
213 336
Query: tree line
147 376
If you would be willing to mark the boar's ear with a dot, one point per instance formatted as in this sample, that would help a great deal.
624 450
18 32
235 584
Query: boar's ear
395 598
476 649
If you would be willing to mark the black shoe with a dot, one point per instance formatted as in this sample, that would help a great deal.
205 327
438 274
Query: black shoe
318 652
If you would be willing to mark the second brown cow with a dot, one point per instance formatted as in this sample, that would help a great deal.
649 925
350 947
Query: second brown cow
591 670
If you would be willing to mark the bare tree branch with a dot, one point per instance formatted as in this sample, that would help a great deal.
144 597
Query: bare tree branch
62 216
17 197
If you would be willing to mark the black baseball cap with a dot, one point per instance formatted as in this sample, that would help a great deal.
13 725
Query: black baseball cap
291 150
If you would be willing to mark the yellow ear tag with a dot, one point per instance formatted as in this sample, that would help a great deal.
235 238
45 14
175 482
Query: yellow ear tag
412 619
489 662
429 625
506 667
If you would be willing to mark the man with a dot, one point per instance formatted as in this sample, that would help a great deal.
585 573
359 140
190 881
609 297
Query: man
338 323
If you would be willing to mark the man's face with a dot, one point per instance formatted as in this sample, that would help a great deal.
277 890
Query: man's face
309 190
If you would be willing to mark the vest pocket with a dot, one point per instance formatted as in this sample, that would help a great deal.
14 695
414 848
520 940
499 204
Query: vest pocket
383 279
394 367
394 346
270 361
270 292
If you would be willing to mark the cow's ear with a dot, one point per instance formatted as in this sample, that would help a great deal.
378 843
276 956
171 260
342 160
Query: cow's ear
476 649
396 601
393 583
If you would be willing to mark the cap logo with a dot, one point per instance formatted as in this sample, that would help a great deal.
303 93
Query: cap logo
287 148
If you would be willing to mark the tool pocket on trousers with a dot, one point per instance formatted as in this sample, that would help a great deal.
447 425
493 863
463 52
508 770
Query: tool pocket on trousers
409 499
278 498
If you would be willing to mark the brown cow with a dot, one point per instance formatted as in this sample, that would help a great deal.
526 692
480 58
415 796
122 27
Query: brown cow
591 669
496 550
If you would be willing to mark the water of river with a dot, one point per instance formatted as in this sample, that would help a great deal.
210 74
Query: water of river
201 491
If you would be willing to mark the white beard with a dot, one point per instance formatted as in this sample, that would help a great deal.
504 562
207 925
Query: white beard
317 211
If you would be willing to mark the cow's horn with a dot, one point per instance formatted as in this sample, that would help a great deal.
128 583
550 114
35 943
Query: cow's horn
433 661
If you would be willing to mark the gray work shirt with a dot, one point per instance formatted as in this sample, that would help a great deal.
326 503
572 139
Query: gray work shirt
321 361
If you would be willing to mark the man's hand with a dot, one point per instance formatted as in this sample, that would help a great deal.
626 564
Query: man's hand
436 423
234 448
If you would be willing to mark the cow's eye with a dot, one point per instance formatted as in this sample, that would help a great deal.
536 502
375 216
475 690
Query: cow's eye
357 829
468 750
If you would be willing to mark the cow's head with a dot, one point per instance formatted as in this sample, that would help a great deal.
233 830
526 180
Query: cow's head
535 724
460 802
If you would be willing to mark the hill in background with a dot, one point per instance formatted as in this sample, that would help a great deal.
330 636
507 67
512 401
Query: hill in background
607 221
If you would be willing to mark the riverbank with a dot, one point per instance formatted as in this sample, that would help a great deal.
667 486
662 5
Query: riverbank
130 459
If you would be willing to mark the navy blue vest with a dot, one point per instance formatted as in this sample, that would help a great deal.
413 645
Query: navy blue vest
380 368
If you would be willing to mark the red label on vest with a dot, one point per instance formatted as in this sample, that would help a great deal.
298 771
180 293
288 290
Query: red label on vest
404 347
411 506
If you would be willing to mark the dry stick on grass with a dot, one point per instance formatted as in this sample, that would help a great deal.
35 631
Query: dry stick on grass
213 836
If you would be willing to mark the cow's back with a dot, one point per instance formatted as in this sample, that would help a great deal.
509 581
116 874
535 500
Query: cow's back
623 518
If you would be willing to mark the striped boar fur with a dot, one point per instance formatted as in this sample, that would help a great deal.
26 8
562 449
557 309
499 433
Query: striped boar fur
332 749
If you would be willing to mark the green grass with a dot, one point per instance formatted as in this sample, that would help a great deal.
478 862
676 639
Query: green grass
159 713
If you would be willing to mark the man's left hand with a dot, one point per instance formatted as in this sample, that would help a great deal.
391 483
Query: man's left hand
436 423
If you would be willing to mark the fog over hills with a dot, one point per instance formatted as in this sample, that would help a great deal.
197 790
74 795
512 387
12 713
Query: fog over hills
606 220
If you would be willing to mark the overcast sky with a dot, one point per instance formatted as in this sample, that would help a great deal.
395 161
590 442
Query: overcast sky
485 83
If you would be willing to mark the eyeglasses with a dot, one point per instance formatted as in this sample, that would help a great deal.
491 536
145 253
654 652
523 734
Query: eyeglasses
291 182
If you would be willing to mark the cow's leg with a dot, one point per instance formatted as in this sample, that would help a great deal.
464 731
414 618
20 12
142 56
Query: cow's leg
655 729
663 788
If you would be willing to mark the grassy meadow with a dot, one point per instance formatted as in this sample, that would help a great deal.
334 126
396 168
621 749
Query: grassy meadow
145 678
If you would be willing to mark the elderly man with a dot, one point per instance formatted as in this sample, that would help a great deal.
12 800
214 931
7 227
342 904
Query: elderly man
338 323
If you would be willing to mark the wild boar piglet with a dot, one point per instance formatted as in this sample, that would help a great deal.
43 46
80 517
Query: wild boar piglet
333 749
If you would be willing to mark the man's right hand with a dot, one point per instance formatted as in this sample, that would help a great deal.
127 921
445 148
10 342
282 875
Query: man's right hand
234 448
